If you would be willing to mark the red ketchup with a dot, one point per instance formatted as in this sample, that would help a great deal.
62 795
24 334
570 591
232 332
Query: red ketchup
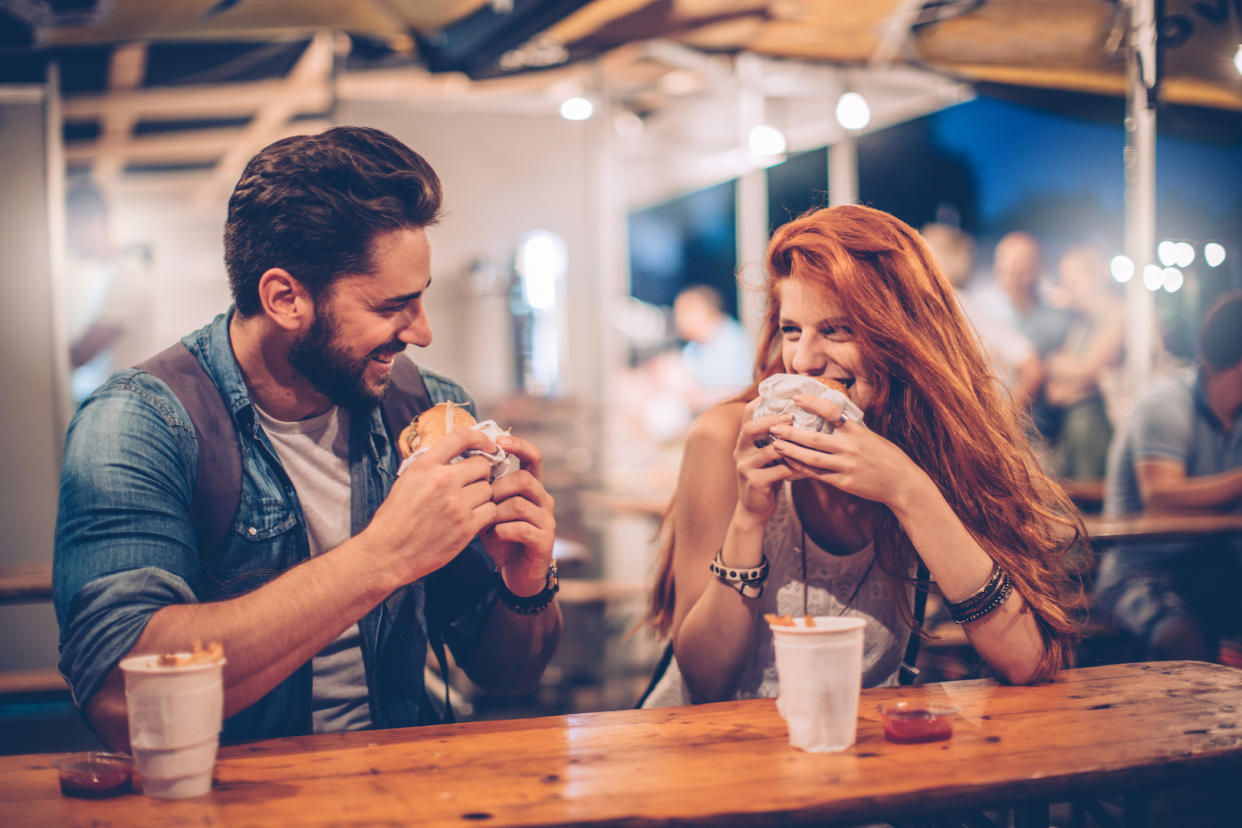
94 775
909 723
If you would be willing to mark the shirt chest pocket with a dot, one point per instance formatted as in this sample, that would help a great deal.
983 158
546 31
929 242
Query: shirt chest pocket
261 519
261 544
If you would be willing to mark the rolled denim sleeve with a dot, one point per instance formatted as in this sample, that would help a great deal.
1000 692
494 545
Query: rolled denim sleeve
125 544
109 614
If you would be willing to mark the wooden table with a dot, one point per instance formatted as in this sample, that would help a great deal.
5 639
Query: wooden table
1145 527
1095 731
25 583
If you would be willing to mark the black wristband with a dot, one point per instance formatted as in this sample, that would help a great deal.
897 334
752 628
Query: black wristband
529 604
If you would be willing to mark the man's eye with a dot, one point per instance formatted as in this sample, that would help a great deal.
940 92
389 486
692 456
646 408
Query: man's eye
393 310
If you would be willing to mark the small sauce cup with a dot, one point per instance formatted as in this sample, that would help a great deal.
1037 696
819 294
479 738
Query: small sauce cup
913 722
95 774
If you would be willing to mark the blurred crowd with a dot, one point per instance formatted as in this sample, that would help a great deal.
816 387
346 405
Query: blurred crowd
1055 335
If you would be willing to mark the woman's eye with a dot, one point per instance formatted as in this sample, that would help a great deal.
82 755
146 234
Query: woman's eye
789 330
837 332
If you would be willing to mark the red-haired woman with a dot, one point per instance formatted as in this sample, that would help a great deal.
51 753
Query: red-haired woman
835 523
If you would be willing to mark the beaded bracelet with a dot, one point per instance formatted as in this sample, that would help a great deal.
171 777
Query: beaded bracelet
529 604
748 582
988 598
1001 594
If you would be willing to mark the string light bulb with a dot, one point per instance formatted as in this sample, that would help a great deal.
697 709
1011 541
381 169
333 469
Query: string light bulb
576 109
853 111
766 141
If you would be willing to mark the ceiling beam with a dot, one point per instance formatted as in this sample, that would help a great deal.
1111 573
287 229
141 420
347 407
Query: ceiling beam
126 70
188 147
313 71
223 100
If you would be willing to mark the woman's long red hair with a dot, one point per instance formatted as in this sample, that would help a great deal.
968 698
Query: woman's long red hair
937 398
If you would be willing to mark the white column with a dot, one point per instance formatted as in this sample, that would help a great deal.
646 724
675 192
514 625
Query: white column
843 171
751 223
1142 337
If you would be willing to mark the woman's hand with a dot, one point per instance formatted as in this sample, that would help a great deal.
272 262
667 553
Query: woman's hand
853 458
759 466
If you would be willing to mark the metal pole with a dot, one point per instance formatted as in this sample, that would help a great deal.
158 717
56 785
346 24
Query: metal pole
1142 337
843 170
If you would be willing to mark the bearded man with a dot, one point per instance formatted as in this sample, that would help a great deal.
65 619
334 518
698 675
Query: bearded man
330 574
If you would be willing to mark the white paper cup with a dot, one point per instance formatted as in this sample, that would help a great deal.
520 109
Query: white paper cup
176 773
820 673
175 715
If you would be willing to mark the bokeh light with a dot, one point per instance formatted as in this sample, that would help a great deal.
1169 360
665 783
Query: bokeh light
1166 252
1122 268
1214 254
853 111
1153 277
576 109
766 140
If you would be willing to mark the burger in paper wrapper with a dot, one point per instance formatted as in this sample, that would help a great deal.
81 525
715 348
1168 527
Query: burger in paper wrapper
427 428
777 392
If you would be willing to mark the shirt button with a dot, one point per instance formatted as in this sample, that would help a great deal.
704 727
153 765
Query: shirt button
252 531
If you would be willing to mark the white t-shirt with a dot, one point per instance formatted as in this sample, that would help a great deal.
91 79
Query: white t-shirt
315 455
850 585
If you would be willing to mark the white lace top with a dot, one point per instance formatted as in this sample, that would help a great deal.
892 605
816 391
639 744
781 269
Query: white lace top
831 581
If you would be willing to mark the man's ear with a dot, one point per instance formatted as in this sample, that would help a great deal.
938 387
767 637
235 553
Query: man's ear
285 300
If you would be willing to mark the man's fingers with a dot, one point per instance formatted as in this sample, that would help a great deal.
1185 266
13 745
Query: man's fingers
519 508
457 442
521 483
527 453
523 533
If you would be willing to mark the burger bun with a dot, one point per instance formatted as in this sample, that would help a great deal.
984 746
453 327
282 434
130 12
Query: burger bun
427 428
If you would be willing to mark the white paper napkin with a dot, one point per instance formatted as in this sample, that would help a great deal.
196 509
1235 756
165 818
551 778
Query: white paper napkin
776 395
502 462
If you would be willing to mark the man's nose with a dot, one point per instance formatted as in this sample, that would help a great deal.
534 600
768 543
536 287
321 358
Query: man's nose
417 330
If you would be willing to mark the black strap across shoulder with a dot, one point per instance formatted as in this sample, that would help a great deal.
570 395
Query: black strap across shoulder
909 670
217 482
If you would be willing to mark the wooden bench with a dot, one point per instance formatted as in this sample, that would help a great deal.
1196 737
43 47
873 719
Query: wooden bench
27 683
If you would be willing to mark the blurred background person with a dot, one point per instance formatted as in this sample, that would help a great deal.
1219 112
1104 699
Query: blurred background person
1180 450
1011 353
1082 365
717 355
1017 294
107 298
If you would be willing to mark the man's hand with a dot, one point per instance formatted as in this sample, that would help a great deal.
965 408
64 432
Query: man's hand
434 508
524 528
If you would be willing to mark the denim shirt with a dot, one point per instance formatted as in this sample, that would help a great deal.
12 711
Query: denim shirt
125 542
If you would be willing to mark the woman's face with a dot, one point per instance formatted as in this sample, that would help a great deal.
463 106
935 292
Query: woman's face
817 340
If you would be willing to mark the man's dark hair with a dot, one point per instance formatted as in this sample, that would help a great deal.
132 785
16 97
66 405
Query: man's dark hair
1220 338
313 204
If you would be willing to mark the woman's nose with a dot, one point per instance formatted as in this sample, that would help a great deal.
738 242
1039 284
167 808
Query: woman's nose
808 358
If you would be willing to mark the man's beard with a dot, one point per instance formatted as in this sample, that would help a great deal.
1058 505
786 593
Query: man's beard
330 370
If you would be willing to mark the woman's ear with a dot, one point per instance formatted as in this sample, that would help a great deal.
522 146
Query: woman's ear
285 300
